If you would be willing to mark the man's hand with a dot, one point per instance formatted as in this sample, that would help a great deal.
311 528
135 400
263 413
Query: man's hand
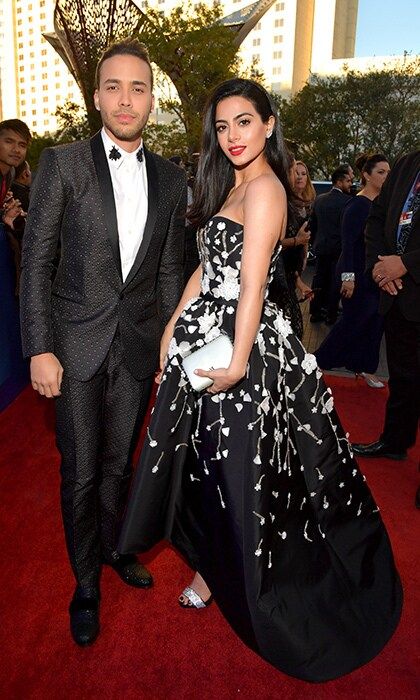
347 289
388 269
46 374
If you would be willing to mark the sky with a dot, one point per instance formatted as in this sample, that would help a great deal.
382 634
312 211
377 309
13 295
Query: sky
388 27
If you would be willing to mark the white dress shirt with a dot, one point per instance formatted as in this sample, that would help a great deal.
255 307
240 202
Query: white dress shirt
129 182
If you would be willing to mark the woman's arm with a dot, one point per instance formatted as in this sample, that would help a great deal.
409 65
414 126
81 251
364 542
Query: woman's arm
191 290
265 212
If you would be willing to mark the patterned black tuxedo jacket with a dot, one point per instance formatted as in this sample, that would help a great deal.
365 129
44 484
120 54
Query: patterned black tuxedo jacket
381 235
72 293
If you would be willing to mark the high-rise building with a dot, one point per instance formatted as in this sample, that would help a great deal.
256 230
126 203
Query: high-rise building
292 39
33 79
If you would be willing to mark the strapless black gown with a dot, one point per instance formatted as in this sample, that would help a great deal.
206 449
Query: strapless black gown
258 488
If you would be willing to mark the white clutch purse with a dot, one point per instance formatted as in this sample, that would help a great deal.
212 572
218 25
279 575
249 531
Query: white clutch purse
214 355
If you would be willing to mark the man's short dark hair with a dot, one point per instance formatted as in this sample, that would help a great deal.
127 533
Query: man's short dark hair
339 173
130 47
18 126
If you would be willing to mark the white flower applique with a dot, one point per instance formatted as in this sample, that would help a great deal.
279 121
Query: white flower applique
206 322
308 363
229 288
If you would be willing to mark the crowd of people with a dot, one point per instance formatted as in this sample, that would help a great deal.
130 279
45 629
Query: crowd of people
253 479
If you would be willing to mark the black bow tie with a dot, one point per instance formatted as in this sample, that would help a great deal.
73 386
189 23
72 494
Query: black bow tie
115 154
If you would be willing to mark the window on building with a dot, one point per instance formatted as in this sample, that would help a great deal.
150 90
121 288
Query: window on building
276 70
34 111
277 54
23 112
44 76
279 6
44 52
256 42
57 86
278 39
45 99
45 110
23 103
44 88
258 26
255 56
278 22
44 64
57 73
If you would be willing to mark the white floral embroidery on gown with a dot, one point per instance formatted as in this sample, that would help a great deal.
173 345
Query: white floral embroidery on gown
258 488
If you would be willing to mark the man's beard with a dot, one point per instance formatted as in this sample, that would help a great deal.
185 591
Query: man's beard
125 132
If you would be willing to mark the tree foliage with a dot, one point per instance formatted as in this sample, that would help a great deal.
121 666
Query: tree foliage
196 52
167 139
335 118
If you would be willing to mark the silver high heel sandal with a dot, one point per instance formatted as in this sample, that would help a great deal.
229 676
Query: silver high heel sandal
370 381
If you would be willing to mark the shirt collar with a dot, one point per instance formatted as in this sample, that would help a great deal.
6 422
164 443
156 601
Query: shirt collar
109 143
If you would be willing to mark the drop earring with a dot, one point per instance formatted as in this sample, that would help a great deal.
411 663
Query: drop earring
268 134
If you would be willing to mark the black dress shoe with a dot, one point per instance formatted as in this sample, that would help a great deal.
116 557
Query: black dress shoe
84 617
377 449
131 571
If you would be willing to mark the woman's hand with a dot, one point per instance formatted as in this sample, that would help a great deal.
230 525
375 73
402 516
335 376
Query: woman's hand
223 378
164 345
347 289
306 292
303 236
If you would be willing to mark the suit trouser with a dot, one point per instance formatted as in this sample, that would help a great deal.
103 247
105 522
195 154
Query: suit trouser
325 281
403 355
97 424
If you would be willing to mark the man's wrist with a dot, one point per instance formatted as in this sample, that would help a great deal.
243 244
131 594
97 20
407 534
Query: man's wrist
347 276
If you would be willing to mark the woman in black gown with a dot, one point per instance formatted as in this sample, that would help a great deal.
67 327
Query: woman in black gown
253 480
354 342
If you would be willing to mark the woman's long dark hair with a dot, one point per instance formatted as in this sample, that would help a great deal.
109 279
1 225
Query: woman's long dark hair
215 173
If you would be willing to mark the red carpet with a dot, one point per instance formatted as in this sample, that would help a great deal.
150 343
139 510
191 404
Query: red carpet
149 648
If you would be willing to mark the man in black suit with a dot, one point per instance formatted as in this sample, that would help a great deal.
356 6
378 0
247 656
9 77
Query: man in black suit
113 213
393 259
325 228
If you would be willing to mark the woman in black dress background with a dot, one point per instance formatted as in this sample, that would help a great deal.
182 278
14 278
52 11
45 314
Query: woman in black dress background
287 280
354 341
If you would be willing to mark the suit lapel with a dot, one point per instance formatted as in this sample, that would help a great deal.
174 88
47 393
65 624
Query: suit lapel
152 195
107 196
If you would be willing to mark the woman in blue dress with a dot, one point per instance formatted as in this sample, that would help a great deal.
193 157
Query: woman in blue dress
253 480
354 341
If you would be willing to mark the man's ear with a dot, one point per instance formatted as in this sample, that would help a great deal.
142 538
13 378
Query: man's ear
96 100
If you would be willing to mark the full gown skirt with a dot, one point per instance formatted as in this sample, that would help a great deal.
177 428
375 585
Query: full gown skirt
257 487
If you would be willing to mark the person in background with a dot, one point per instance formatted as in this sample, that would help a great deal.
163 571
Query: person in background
326 231
287 280
21 185
14 141
393 260
355 340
